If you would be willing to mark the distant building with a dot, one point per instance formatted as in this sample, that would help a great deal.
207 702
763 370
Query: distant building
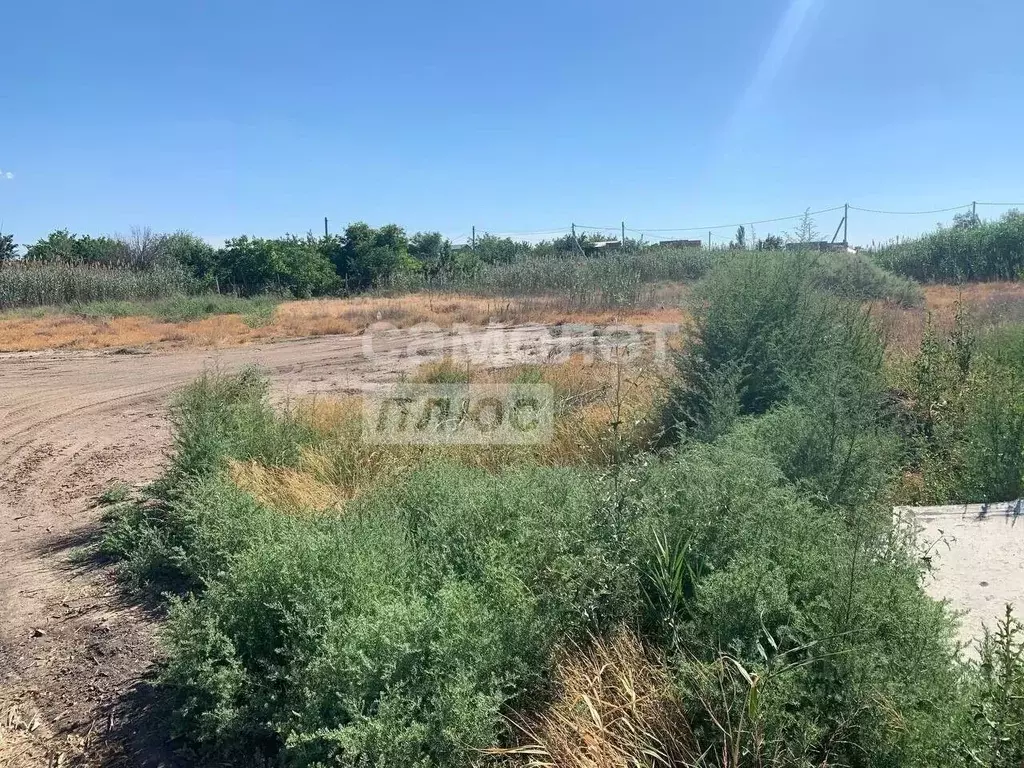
601 245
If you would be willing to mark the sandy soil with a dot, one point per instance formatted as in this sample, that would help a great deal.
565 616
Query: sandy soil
71 651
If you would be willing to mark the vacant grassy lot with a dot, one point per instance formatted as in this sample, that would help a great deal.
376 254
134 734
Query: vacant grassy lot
221 321
700 569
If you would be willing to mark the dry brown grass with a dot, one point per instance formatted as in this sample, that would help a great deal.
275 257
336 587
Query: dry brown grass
602 410
990 304
614 706
319 317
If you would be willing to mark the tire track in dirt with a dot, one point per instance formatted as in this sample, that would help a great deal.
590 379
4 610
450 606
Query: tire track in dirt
71 423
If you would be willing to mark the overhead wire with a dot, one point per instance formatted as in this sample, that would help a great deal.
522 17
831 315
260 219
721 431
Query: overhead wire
739 224
657 232
533 232
911 213
587 226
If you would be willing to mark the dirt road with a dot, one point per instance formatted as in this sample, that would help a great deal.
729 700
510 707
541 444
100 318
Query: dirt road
70 423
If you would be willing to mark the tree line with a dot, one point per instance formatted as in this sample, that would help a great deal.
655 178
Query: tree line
359 258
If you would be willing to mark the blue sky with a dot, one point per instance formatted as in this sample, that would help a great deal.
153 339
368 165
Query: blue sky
231 117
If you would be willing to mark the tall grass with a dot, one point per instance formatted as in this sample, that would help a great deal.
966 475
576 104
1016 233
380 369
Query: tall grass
258 310
992 250
963 414
630 278
611 281
39 285
614 280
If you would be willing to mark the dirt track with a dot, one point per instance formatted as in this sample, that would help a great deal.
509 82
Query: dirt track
70 423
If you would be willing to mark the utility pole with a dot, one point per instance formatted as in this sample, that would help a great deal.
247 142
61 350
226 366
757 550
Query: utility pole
326 234
622 242
974 211
576 240
473 246
709 240
846 224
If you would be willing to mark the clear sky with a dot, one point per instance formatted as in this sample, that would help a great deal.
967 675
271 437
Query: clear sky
230 117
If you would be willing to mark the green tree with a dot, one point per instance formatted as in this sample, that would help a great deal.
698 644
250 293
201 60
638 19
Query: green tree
107 251
966 220
333 249
741 238
374 256
8 249
434 253
306 270
806 231
59 246
491 249
193 253
256 265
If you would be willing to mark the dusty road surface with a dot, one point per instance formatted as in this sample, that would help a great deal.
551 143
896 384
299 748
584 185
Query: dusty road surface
70 423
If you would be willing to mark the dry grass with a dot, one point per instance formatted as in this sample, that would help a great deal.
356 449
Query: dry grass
320 317
613 707
990 304
602 410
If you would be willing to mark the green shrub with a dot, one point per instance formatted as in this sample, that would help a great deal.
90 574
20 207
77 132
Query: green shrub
998 696
162 539
778 582
409 627
396 633
764 332
229 416
854 276
965 431
994 434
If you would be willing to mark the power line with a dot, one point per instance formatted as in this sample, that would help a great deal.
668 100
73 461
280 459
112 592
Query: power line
586 226
912 213
534 232
656 233
741 223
